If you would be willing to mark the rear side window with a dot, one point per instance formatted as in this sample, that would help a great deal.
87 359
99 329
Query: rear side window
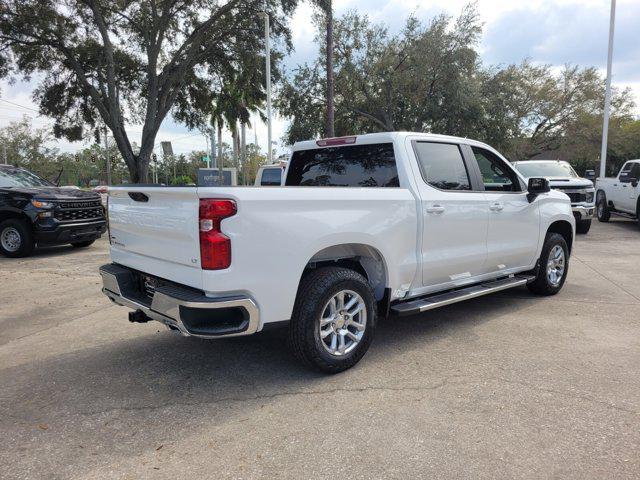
271 176
442 165
371 165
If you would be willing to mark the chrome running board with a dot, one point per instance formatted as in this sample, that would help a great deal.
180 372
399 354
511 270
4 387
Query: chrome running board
423 304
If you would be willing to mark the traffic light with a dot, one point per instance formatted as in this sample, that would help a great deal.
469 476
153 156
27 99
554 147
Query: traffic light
154 158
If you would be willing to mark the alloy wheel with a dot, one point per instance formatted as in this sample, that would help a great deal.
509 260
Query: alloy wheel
342 323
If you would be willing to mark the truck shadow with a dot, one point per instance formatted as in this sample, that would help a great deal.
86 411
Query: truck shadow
154 372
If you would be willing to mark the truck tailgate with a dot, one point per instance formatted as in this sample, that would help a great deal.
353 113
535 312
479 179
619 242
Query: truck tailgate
155 230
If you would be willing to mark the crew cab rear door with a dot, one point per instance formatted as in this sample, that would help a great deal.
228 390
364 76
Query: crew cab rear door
455 220
155 230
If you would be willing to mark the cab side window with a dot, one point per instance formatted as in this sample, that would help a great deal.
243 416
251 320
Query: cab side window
442 166
496 176
625 171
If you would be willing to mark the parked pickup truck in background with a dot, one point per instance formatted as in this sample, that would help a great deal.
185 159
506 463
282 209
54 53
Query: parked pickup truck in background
619 195
564 178
364 225
269 176
35 211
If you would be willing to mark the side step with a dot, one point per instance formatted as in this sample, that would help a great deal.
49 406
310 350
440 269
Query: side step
623 214
423 304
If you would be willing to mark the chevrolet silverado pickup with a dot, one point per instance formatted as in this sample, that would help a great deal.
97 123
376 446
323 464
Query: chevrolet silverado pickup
34 212
563 177
620 195
363 226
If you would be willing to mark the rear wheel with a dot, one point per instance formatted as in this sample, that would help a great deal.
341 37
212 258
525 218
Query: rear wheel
334 319
583 226
602 209
553 266
82 244
16 239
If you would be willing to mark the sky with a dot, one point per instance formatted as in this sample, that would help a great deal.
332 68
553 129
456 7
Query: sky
552 32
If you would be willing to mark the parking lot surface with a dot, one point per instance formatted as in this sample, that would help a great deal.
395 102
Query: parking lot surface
505 386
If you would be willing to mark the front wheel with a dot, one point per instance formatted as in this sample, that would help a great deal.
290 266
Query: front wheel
583 226
553 266
16 239
334 319
602 209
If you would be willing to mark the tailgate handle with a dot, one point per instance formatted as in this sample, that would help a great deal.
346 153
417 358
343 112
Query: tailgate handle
138 196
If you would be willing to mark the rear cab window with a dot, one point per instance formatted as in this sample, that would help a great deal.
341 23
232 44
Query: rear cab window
369 165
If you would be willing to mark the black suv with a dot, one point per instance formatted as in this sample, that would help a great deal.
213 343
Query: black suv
35 211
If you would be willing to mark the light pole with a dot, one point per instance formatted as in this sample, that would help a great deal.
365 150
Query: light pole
268 75
607 94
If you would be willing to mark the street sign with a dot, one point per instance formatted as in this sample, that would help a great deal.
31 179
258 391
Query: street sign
167 149
208 177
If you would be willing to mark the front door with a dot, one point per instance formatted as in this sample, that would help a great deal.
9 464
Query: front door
454 218
514 223
629 193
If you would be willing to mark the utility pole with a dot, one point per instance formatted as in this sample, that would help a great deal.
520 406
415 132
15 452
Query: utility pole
4 154
268 74
106 153
607 94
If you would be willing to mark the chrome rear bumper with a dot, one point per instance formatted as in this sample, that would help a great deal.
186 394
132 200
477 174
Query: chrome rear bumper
182 309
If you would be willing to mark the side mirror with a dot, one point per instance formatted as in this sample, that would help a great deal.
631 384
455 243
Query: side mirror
590 175
537 186
633 181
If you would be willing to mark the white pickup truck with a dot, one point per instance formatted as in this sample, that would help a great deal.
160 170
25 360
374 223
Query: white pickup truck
364 226
619 195
563 177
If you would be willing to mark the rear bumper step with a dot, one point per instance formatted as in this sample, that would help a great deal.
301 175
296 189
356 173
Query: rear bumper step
183 309
423 304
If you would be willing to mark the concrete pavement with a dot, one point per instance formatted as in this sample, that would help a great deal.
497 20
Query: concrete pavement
506 386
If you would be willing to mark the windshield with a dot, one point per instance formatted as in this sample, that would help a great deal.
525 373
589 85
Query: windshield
18 177
546 169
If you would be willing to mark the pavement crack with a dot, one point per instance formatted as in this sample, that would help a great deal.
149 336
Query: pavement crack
565 393
269 396
606 278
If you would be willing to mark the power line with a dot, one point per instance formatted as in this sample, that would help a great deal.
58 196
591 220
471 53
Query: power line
21 106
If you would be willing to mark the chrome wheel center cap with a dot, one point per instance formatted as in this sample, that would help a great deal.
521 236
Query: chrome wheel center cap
340 322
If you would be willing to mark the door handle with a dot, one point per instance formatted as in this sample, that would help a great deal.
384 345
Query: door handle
437 209
496 207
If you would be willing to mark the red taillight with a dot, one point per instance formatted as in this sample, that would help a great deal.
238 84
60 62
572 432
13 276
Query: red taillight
332 142
215 247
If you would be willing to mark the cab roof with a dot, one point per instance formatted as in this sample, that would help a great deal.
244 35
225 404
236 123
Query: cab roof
381 137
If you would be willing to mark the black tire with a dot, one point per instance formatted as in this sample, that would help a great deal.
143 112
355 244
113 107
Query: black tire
542 285
25 242
316 289
82 244
602 209
583 226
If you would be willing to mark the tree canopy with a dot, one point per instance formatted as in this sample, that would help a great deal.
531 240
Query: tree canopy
135 61
429 78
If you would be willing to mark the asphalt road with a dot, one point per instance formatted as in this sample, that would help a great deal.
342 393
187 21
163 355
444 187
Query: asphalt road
506 386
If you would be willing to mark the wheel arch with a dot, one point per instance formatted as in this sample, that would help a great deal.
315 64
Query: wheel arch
564 228
7 213
362 258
